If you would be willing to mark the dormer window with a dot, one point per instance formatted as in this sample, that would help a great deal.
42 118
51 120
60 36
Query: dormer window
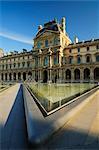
46 43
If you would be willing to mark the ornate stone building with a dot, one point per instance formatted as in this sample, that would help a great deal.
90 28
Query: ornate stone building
16 66
54 58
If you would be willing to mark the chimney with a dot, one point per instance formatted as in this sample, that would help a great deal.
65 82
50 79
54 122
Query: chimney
40 27
63 25
75 39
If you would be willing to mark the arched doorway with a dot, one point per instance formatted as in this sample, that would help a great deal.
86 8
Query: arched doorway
68 74
24 76
86 74
77 74
19 76
14 76
96 74
45 76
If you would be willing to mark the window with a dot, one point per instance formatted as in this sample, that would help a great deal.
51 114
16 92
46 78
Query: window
23 64
18 64
78 60
28 64
70 60
6 66
55 49
14 65
2 66
45 61
46 43
97 58
78 49
10 66
87 48
88 59
38 44
70 50
55 41
55 60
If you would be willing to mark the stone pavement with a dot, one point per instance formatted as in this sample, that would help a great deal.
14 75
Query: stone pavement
13 132
81 132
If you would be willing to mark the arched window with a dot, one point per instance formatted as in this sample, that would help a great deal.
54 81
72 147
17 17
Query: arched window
86 74
46 43
97 58
68 74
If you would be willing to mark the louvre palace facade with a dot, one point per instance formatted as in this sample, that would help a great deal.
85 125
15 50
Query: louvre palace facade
54 58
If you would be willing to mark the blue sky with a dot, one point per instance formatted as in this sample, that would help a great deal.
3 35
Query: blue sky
19 20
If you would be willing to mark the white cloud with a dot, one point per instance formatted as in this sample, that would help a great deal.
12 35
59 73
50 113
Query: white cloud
16 37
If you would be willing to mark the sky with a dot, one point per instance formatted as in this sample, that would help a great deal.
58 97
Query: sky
19 20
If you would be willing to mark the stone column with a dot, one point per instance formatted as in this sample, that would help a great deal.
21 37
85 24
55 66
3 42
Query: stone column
12 79
91 75
40 75
81 75
49 76
57 74
7 77
27 77
33 74
60 75
72 75
16 76
64 73
50 61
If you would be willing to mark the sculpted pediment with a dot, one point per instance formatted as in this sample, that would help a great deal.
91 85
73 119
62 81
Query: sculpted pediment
45 34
